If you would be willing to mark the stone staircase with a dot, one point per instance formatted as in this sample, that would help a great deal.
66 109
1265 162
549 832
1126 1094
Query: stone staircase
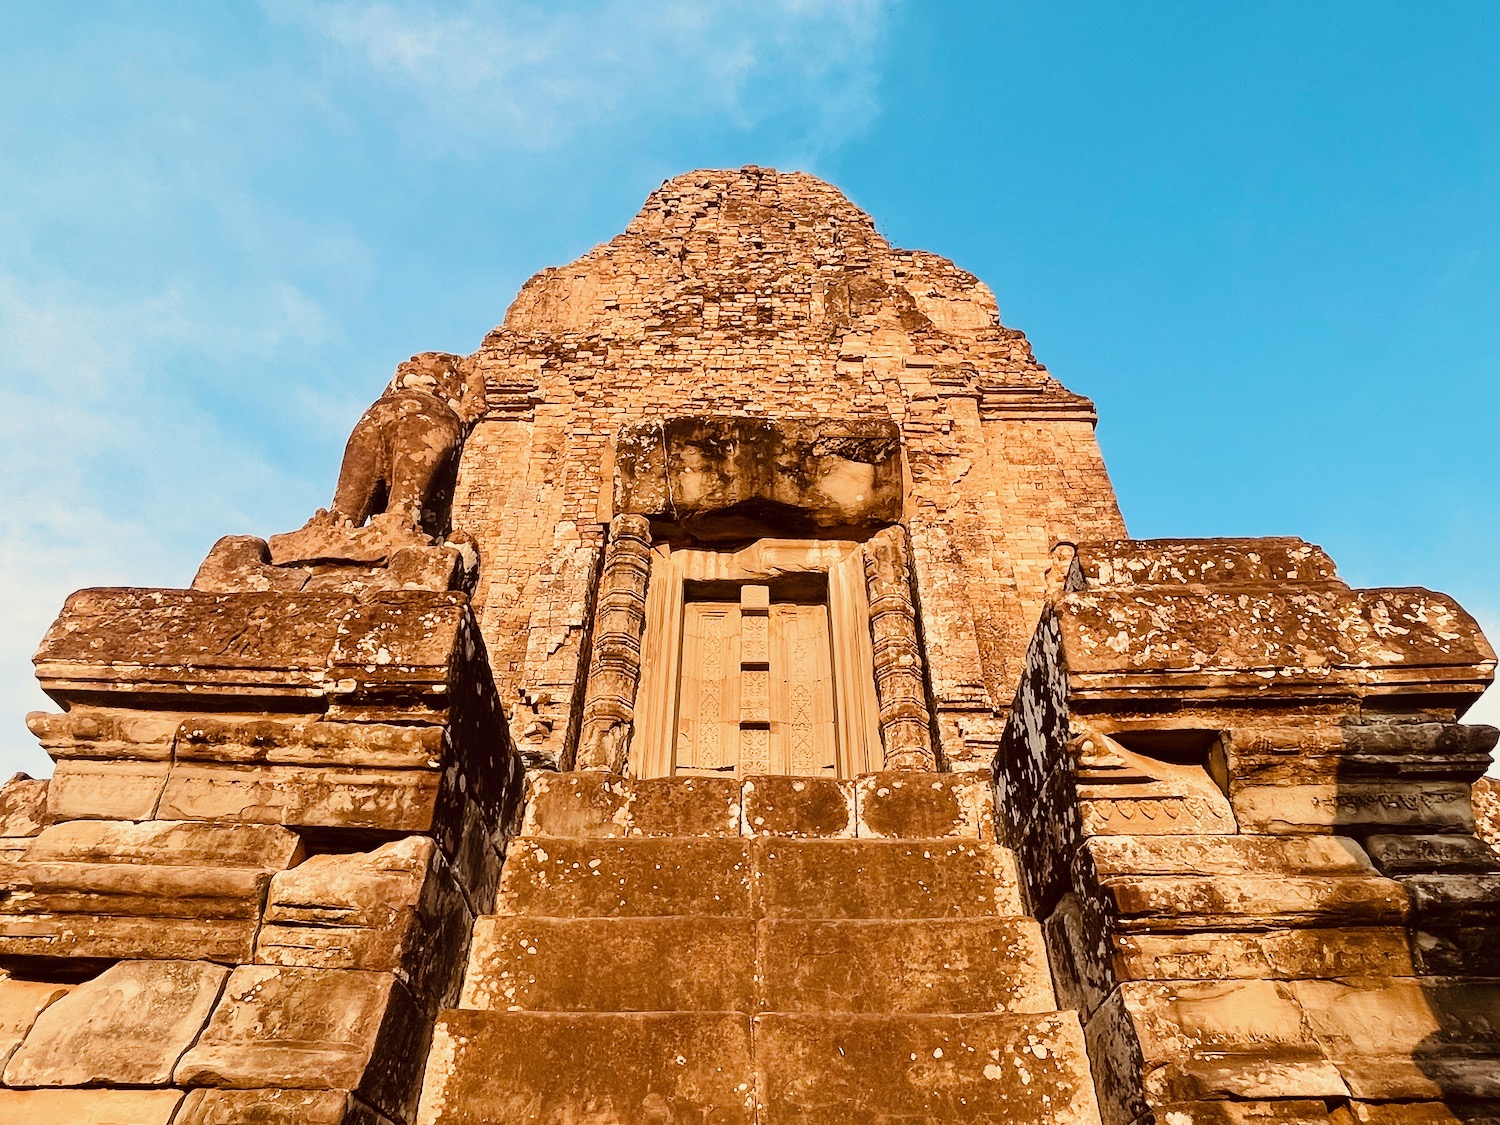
774 950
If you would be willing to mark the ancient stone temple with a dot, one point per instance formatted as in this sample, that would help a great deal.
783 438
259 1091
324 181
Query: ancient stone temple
731 695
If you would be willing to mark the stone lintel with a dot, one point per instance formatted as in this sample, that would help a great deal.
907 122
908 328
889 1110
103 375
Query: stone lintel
721 475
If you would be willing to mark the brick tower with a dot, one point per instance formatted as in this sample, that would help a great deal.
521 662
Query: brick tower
730 695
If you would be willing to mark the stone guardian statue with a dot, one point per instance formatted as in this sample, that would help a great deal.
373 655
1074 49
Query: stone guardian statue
396 481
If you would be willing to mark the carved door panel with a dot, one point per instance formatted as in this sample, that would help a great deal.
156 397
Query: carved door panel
756 691
734 682
802 718
708 708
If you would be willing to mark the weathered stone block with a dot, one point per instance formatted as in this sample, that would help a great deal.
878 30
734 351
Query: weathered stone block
1227 855
559 877
1218 562
884 879
926 805
317 1029
98 790
109 889
1471 899
685 806
591 803
1263 955
1078 949
798 806
668 1067
89 1107
395 909
307 742
1368 806
828 1070
1421 854
581 803
126 1027
1287 1111
23 807
303 796
1217 643
1408 1039
721 475
168 843
21 1001
947 966
143 643
612 965
1456 951
105 734
1228 902
275 1107
1425 1113
1207 1040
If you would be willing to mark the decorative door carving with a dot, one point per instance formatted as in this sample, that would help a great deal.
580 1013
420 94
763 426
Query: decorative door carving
755 691
757 661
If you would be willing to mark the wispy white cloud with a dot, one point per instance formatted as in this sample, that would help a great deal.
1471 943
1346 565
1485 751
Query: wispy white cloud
534 75
180 304
115 472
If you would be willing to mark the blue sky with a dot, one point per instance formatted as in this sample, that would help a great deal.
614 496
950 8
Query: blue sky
1264 237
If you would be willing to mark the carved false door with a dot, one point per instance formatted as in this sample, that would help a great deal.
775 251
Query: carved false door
756 690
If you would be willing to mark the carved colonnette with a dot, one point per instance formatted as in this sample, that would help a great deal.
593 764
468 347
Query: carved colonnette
615 664
1240 797
905 721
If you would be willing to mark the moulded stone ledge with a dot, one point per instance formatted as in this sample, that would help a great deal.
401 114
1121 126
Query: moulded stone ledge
158 889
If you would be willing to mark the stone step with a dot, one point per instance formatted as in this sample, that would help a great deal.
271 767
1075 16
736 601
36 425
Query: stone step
824 879
498 1068
903 805
569 877
688 963
562 877
727 964
504 1068
835 1069
924 966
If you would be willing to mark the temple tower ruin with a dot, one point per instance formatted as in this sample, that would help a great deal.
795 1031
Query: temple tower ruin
731 694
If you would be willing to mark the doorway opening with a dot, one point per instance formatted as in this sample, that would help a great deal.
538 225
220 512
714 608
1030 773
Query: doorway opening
757 661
